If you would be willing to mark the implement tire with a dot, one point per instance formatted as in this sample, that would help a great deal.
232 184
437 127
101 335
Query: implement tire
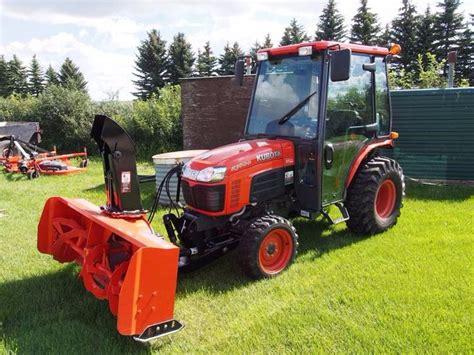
375 196
267 247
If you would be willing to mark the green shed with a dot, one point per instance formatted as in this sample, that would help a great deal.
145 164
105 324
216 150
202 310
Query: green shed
436 128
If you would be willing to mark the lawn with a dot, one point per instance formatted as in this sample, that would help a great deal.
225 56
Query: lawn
409 289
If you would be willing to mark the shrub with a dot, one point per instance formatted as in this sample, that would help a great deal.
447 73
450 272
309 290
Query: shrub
18 108
155 125
65 117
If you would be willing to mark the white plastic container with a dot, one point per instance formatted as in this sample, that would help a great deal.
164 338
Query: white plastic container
164 163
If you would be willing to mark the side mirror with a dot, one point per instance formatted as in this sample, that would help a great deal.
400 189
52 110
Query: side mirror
370 67
239 72
340 65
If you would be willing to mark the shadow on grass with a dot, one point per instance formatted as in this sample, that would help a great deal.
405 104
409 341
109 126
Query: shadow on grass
54 312
428 192
15 176
147 191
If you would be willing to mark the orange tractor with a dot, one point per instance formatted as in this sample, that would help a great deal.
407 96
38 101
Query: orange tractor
318 120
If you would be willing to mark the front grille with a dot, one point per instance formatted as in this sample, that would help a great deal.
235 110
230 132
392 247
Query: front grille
203 197
267 185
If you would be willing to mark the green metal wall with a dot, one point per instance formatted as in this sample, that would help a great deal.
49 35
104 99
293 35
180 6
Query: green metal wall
436 128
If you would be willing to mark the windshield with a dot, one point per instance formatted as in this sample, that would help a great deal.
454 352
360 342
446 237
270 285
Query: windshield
281 85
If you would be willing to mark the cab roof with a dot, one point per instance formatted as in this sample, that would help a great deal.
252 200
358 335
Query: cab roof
322 45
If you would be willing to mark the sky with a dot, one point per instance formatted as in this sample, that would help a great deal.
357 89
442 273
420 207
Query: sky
102 36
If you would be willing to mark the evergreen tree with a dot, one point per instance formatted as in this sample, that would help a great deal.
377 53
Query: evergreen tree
465 62
228 58
71 77
181 59
426 35
51 77
447 27
365 26
331 24
294 34
404 33
4 85
35 77
267 41
254 49
385 38
17 76
151 65
206 61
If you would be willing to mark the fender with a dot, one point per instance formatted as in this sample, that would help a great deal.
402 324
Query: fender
389 142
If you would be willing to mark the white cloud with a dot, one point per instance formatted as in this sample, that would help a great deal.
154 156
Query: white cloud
105 71
101 36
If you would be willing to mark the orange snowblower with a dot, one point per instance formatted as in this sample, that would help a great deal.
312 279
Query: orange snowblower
22 157
123 261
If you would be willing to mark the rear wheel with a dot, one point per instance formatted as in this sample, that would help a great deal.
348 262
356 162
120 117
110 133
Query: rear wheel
267 247
374 198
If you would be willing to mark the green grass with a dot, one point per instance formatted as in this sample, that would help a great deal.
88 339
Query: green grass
409 289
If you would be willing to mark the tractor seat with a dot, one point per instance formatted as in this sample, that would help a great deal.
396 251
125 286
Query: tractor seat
339 120
53 165
286 129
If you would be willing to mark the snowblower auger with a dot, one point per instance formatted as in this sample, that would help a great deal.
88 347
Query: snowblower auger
123 260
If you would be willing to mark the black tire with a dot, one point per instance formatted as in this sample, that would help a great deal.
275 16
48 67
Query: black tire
371 209
33 174
261 232
84 163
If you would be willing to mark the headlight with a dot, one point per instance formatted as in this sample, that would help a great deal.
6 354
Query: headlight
189 173
211 174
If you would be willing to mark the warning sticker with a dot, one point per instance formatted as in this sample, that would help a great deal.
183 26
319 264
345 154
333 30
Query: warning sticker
126 185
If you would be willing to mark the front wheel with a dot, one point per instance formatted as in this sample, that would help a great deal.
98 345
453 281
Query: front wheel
267 247
374 198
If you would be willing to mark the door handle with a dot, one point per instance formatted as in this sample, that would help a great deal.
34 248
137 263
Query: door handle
328 155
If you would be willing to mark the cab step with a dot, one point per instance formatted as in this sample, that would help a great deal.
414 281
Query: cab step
344 213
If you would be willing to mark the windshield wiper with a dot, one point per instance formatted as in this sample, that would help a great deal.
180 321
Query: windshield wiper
295 109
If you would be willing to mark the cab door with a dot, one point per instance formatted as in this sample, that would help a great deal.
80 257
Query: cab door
349 124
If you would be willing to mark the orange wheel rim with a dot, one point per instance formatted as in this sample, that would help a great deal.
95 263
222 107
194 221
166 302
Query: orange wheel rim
275 251
385 199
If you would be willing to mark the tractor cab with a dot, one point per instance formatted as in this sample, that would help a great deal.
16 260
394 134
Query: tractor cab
330 100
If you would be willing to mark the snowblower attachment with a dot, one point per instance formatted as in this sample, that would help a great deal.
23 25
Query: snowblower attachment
123 261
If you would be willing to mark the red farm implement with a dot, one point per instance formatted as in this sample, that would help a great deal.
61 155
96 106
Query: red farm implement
18 156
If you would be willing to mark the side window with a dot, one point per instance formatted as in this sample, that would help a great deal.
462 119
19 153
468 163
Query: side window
381 98
350 102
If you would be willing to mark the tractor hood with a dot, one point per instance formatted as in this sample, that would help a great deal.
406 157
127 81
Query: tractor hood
245 154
